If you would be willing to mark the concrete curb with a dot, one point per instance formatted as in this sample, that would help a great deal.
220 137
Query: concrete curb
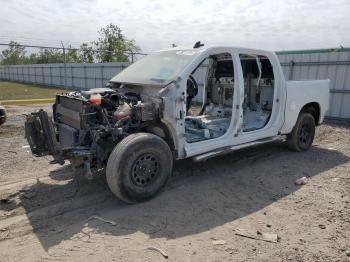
27 102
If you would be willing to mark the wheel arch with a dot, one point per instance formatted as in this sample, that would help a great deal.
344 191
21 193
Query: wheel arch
314 109
161 130
293 112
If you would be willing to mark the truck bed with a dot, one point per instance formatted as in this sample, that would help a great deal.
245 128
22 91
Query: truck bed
300 93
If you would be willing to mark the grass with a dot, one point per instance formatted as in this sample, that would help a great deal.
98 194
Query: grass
16 91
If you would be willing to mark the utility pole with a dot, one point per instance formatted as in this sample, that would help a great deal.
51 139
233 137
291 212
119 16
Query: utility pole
65 66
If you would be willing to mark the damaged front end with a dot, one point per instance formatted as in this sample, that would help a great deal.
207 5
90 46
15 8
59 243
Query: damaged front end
41 136
87 125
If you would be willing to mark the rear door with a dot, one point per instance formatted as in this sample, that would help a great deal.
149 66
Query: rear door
263 86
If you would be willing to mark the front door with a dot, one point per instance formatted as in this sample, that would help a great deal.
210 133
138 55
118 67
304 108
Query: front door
212 102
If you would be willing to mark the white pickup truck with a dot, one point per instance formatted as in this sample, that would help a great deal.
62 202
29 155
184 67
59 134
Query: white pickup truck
180 103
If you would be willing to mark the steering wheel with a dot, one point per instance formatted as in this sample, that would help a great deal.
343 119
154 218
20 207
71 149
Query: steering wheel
192 91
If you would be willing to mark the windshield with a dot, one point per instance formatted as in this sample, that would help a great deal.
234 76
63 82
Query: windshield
156 69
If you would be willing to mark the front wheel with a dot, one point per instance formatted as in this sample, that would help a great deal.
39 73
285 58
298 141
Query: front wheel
138 167
303 133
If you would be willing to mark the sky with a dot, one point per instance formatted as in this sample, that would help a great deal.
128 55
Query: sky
265 24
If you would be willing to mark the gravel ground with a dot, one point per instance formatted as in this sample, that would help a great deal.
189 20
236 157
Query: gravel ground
47 214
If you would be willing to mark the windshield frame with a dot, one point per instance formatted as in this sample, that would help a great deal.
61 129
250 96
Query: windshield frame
188 56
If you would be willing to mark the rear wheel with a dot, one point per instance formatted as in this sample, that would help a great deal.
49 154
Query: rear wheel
303 133
138 167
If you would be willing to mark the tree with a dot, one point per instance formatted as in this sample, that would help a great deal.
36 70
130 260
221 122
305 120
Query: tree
86 54
113 46
72 55
49 56
13 55
32 59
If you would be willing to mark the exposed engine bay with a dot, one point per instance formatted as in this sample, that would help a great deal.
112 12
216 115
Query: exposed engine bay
88 124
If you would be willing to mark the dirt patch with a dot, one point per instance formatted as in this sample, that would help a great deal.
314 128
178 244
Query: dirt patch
45 210
10 131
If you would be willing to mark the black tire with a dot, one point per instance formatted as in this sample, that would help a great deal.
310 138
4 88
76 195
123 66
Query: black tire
139 167
303 133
